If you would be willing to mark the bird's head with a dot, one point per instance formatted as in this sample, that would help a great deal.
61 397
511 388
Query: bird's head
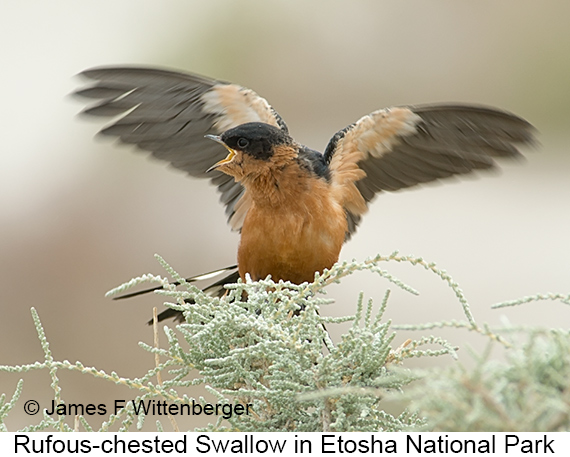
254 148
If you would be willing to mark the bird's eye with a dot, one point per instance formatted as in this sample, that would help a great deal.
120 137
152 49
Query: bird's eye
242 143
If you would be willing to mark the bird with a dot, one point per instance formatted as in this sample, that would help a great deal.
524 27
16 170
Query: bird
294 206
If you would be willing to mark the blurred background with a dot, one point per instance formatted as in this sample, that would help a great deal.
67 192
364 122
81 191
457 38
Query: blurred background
80 216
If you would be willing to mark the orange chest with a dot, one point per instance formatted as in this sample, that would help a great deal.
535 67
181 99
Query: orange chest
293 239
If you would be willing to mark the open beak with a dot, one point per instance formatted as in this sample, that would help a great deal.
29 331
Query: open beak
228 158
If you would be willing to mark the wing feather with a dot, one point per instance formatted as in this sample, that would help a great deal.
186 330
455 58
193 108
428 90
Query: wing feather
397 148
168 113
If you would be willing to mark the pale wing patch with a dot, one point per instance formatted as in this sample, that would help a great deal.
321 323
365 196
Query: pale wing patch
373 135
344 173
377 133
235 105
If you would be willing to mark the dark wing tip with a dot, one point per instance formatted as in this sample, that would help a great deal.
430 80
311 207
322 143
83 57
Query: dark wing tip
105 71
136 75
502 122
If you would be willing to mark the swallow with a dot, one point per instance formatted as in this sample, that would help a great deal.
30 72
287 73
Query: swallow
294 206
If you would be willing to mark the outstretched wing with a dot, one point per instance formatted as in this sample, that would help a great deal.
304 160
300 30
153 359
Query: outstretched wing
168 113
395 148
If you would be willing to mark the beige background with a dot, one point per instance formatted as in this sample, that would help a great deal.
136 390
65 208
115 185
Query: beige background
79 216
